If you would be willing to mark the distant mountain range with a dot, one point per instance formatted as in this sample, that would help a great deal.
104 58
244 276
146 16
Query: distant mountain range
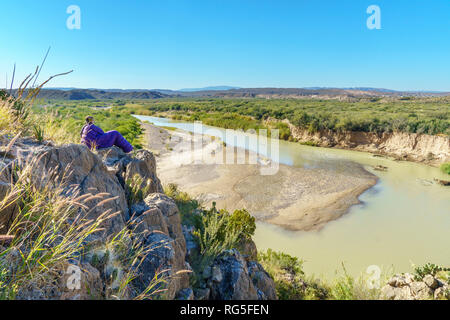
217 88
228 92
97 94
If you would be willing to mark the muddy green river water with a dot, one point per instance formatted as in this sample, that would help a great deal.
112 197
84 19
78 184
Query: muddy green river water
403 220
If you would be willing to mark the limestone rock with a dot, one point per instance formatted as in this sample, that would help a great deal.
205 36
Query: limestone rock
442 293
203 294
262 281
125 166
161 218
404 287
420 290
401 280
90 285
232 278
396 293
185 294
86 174
248 249
164 260
236 284
8 212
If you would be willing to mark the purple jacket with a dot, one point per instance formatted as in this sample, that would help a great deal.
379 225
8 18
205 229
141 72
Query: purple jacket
90 133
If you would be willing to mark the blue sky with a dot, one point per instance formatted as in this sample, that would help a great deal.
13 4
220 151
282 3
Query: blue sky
247 43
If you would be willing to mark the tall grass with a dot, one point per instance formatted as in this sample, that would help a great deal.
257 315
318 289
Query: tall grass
53 226
289 277
137 188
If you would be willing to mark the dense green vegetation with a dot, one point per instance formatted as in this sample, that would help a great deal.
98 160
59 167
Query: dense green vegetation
63 121
419 115
215 230
445 167
290 283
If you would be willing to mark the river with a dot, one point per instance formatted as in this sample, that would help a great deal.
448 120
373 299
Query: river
403 220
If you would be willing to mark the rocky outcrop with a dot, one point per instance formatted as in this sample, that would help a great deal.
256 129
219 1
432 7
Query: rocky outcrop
430 149
405 287
231 277
104 175
157 219
154 220
142 163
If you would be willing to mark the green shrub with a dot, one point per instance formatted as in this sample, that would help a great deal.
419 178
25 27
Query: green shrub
38 132
421 115
346 287
287 272
428 269
445 167
190 209
137 189
289 278
215 235
243 222
279 261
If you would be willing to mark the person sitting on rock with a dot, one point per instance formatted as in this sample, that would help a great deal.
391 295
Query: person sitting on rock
94 137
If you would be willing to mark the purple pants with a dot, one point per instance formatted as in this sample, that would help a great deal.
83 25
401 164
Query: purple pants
113 138
93 135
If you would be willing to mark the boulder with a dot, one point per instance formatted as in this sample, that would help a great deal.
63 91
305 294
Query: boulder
158 215
442 293
401 280
233 278
396 293
163 260
420 290
185 294
69 282
262 281
125 167
90 285
236 283
85 173
7 211
431 281
248 249
404 287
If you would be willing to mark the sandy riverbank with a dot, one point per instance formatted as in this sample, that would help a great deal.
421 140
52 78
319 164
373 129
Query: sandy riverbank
294 198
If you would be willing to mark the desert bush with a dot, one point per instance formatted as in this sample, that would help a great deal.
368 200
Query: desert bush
190 209
346 287
290 281
137 188
429 269
445 167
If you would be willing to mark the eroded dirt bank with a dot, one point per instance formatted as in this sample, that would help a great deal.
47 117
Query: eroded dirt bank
432 150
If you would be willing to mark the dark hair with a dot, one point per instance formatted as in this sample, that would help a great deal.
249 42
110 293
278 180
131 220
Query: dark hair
89 119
